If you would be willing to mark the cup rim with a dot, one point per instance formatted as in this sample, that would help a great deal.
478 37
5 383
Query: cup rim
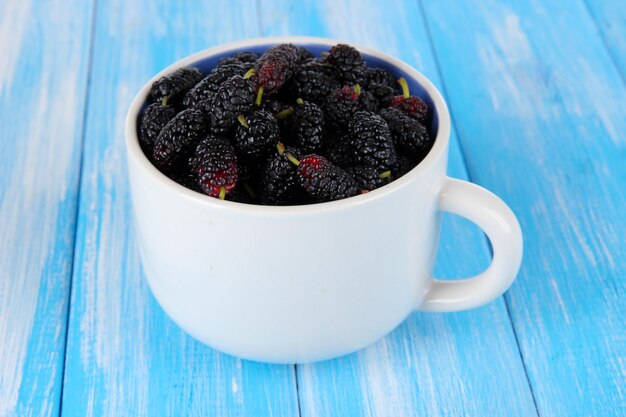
437 151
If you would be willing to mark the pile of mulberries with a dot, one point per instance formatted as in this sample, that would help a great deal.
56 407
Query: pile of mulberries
285 127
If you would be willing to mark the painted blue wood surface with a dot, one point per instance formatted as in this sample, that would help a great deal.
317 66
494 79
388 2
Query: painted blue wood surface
433 364
124 355
610 17
541 117
43 75
536 94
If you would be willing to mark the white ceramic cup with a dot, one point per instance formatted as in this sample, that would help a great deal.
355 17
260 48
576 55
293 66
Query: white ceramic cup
306 283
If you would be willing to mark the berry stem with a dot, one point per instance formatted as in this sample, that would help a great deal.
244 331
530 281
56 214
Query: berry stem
243 121
284 113
292 159
384 174
164 102
357 89
259 94
222 194
299 101
405 88
281 148
248 74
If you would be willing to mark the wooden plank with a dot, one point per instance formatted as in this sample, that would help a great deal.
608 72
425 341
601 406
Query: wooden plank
124 356
541 110
43 78
610 17
433 364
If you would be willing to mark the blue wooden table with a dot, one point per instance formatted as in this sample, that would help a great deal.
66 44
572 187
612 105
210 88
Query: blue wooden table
538 99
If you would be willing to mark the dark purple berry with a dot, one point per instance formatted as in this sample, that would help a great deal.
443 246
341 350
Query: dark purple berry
305 54
276 66
339 106
311 85
408 134
240 57
325 181
404 164
382 93
320 65
308 126
257 135
370 142
214 166
379 76
348 63
208 86
176 84
280 182
283 113
368 178
179 138
368 102
247 56
339 153
234 97
274 106
413 106
229 60
154 118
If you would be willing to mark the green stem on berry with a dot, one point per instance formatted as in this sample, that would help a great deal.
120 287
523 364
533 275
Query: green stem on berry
384 174
164 101
243 121
249 189
405 88
222 194
324 54
248 74
284 113
357 89
299 101
259 94
292 159
281 148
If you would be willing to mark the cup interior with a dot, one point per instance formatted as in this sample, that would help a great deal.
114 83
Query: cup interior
416 89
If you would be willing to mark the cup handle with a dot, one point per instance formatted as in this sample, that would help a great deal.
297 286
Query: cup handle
497 220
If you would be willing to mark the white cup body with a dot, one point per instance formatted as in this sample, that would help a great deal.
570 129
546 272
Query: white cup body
289 284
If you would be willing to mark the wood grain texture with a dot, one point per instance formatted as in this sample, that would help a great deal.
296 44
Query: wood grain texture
124 355
433 364
541 113
537 93
610 17
43 76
